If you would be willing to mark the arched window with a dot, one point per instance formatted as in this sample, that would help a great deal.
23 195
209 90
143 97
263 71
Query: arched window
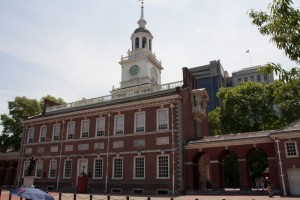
144 42
137 43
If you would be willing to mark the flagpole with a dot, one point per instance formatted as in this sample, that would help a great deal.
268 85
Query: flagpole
249 57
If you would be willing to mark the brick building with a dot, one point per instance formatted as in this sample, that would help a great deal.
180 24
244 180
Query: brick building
147 137
130 141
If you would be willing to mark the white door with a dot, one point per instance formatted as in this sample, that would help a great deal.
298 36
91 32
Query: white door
294 180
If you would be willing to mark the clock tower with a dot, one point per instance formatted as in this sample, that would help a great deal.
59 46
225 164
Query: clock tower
140 69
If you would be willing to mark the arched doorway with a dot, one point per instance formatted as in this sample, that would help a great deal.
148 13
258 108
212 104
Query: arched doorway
201 172
229 161
258 167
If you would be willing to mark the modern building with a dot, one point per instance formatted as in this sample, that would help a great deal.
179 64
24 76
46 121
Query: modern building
211 77
251 74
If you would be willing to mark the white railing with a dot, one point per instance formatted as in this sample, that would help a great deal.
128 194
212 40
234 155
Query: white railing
106 98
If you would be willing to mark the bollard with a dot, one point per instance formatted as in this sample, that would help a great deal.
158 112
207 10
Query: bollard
148 198
91 197
0 192
74 197
127 197
9 197
108 197
171 199
59 196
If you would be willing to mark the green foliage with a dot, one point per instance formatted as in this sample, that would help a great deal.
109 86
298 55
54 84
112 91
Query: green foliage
51 98
19 109
257 161
214 122
247 107
282 24
231 171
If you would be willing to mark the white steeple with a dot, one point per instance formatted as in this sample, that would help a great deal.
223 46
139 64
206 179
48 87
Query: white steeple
142 22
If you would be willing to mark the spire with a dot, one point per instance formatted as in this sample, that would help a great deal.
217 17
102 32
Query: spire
142 22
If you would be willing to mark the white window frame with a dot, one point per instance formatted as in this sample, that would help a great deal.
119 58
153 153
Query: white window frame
52 166
39 169
287 150
159 168
162 119
43 133
139 122
114 175
71 130
25 167
30 135
65 163
119 124
100 127
101 168
85 128
135 170
56 132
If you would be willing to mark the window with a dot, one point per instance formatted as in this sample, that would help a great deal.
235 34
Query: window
239 80
56 132
98 168
291 149
30 135
39 169
140 122
85 125
246 79
119 124
43 133
52 168
252 78
137 43
162 119
265 78
100 126
71 130
163 166
139 167
144 42
258 78
68 169
25 169
118 168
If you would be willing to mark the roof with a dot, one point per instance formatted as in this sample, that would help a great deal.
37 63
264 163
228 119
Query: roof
141 29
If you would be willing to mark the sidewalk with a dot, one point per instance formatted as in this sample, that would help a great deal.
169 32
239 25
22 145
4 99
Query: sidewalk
70 196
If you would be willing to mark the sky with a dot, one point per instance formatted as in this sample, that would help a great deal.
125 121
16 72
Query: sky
72 48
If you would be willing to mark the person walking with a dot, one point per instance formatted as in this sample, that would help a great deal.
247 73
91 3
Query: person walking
269 186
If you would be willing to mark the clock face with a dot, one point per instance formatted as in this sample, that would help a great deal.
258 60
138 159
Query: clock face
134 70
154 73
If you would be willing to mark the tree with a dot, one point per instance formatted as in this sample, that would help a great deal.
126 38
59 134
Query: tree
282 24
19 109
214 122
247 107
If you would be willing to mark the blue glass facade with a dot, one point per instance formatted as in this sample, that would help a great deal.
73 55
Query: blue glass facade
211 84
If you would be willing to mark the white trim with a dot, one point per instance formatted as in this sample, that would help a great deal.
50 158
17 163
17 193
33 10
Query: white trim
87 127
38 162
94 167
134 167
113 168
45 137
50 169
64 174
71 123
100 119
158 122
214 161
25 166
53 131
136 114
120 117
286 150
157 166
30 131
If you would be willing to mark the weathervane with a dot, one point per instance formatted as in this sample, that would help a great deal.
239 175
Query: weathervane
142 1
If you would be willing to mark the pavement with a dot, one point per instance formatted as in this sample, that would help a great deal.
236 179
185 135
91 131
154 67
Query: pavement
70 196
